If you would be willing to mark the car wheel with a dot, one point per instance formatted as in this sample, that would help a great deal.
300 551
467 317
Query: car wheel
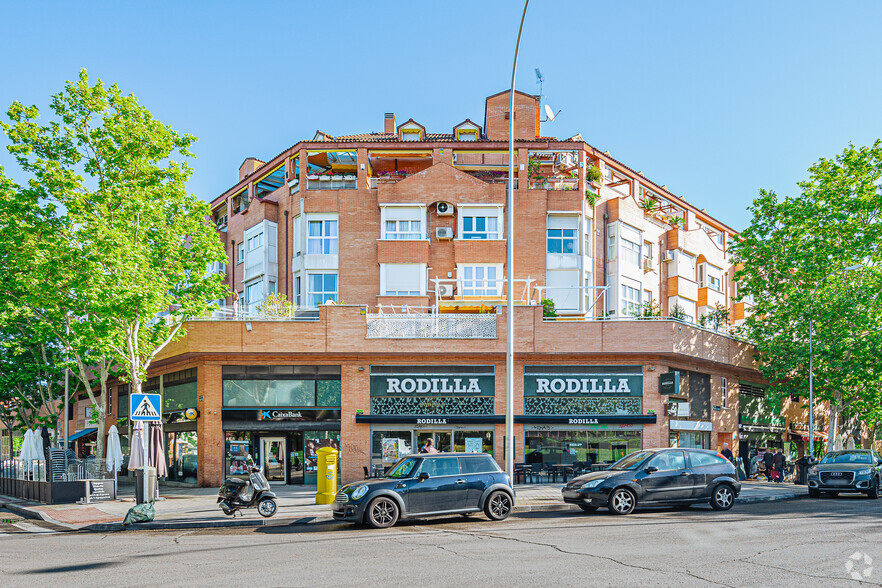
498 506
266 507
723 497
381 513
622 501
874 490
588 508
814 493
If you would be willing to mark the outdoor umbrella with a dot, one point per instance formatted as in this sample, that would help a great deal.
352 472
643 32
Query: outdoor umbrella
37 446
157 451
47 442
114 451
26 446
136 447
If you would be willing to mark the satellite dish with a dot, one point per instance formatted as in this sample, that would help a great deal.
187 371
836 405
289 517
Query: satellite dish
549 113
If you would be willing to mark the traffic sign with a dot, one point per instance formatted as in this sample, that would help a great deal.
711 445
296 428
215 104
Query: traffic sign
145 407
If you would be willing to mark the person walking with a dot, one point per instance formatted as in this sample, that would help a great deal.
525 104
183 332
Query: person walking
428 447
727 453
769 462
779 461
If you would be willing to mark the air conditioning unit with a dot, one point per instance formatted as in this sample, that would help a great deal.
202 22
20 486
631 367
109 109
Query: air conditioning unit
445 290
444 209
443 233
647 264
668 255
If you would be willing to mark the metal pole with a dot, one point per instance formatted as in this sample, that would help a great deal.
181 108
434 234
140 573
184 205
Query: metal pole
145 447
509 299
811 385
66 413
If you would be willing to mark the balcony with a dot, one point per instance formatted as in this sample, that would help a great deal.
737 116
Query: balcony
331 182
431 326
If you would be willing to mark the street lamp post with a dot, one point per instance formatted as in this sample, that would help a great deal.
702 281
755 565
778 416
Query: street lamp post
811 356
509 299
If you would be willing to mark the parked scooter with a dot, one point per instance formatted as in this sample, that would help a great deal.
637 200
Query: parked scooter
238 493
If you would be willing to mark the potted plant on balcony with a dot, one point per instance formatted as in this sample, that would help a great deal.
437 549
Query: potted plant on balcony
649 205
676 221
593 175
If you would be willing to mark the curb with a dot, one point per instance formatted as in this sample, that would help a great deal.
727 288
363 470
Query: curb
182 524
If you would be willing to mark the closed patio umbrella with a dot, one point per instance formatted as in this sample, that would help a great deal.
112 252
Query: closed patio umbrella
136 448
26 446
114 451
156 451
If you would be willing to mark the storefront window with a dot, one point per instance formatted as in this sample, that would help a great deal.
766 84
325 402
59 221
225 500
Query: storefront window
327 392
388 446
690 439
179 397
473 441
269 393
182 452
238 451
313 441
585 446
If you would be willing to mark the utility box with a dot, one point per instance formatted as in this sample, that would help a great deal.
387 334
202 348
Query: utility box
326 478
139 485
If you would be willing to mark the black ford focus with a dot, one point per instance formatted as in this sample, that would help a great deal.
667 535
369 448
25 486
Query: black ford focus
657 477
428 485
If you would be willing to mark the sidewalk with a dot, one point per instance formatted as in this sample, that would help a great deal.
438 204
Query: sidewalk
193 508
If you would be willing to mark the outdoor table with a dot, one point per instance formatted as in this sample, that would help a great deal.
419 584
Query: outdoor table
559 468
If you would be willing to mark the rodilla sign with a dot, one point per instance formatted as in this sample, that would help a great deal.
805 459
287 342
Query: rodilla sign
558 381
403 382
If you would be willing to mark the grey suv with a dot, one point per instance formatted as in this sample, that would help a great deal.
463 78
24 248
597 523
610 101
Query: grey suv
852 470
429 484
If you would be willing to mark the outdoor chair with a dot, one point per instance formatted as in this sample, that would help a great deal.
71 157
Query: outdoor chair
536 472
367 472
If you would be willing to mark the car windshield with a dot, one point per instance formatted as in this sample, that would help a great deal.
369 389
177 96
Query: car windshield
847 457
402 469
631 462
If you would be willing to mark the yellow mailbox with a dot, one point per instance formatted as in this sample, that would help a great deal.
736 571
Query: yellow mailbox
326 475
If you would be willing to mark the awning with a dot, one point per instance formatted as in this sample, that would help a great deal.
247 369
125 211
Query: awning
82 433
805 434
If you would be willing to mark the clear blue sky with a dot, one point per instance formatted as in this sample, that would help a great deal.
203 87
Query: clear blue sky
716 100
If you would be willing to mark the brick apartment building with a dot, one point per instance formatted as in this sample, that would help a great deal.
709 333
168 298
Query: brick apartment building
392 246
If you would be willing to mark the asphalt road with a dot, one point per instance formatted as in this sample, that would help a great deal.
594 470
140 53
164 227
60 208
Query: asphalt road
807 542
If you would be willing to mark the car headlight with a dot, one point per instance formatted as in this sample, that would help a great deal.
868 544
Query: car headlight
813 471
865 472
358 492
592 484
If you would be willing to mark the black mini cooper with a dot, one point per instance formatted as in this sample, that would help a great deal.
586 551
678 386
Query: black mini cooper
656 477
428 485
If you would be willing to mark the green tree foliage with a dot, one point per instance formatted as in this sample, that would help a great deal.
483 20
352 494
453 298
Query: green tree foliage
797 244
275 306
716 319
108 251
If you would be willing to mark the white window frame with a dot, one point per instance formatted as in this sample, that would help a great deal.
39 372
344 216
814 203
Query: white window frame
324 240
325 294
296 226
403 213
725 394
241 248
559 236
253 287
255 242
688 261
631 297
475 279
385 279
485 212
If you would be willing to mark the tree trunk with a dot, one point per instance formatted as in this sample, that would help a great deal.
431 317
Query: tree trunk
833 441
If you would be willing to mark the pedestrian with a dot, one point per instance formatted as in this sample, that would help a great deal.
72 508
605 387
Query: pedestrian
235 304
428 447
727 453
769 462
779 462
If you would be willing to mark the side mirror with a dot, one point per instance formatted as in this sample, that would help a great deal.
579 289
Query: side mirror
651 469
423 476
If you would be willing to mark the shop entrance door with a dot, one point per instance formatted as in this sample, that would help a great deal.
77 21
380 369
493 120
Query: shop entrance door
272 458
441 440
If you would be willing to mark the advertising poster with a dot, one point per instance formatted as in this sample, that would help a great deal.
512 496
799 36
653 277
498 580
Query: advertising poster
473 445
390 449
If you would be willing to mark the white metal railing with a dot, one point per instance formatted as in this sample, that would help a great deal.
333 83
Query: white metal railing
483 289
341 182
251 312
597 292
431 326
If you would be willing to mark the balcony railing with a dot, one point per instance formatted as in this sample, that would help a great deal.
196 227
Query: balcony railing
253 312
431 326
334 182
555 184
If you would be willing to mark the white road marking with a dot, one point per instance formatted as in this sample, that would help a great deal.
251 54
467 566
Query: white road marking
32 528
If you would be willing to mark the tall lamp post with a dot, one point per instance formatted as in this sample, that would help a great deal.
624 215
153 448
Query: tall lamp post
811 355
509 263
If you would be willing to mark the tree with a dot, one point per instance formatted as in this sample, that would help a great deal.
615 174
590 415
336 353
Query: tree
716 319
276 306
792 256
119 250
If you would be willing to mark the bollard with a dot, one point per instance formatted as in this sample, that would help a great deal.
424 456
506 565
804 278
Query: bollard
326 478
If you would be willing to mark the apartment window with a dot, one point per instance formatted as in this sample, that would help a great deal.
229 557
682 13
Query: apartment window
254 293
647 254
298 249
403 279
630 252
725 401
587 236
403 229
480 223
647 296
410 135
241 258
630 299
561 234
686 265
467 134
322 287
322 239
481 280
255 242
297 287
272 287
713 277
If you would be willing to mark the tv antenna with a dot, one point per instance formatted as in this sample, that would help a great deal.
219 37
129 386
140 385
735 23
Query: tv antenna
550 115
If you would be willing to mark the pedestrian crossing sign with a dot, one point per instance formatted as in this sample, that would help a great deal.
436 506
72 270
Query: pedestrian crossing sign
145 407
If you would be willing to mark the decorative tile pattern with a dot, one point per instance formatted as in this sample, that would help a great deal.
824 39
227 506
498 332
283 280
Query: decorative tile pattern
557 405
433 405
